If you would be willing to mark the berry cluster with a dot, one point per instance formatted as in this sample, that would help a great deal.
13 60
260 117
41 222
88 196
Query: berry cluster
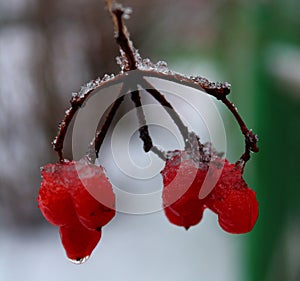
226 193
69 198
77 197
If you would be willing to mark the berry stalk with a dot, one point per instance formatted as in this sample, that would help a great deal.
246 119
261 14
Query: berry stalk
100 135
144 131
250 138
172 113
143 128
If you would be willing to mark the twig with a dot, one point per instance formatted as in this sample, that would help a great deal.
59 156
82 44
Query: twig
121 33
100 135
172 113
250 138
58 142
143 129
144 132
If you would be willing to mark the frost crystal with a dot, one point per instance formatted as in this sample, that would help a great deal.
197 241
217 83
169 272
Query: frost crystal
92 85
145 64
162 66
127 12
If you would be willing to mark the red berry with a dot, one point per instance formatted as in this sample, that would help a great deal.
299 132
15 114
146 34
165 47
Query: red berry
185 215
225 193
76 189
92 195
78 241
65 200
233 201
182 184
54 200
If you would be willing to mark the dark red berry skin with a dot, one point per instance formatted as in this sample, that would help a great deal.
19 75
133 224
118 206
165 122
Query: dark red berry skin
55 202
233 201
228 194
93 196
182 183
78 241
76 189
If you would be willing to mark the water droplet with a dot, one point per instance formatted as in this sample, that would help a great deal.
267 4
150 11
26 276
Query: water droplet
79 261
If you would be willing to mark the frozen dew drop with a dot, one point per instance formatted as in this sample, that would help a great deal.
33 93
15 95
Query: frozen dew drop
145 64
74 95
227 85
127 12
79 261
201 80
98 81
147 61
162 66
122 61
106 77
212 85
89 85
119 60
68 111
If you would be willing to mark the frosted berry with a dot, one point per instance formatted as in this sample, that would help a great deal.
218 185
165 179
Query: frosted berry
65 200
66 193
182 181
229 196
92 194
54 200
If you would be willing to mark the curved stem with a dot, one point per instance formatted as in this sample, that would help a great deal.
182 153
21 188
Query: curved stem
250 138
219 90
58 142
100 135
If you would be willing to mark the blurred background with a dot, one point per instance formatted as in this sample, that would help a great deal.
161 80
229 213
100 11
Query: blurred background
48 49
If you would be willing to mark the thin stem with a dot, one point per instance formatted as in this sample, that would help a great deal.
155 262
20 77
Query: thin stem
100 135
144 131
58 142
219 90
159 153
172 113
250 138
121 33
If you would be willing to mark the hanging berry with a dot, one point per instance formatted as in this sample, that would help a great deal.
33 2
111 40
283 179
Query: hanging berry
66 199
